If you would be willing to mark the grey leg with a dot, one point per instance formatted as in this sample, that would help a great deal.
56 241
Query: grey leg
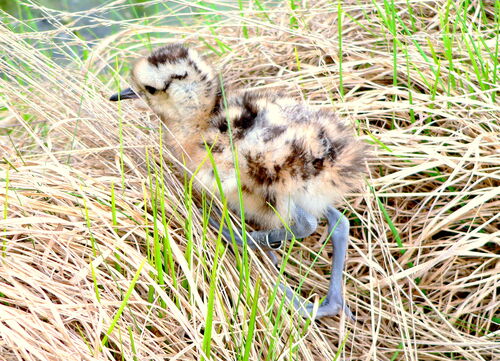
227 235
304 225
338 229
268 248
334 302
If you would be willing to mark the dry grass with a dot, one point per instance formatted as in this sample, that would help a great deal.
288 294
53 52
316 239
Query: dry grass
77 188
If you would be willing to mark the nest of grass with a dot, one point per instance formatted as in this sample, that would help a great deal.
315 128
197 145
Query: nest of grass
103 255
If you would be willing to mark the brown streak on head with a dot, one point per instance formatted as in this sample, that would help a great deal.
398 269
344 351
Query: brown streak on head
194 66
171 53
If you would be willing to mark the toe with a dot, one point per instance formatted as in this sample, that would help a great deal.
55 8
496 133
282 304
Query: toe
328 310
349 314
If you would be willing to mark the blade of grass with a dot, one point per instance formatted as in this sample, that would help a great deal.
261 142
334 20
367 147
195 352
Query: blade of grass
6 208
252 321
341 56
124 303
207 336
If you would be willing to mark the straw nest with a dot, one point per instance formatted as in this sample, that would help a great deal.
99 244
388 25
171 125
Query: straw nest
90 201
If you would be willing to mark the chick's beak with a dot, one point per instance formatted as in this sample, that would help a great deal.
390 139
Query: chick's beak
124 94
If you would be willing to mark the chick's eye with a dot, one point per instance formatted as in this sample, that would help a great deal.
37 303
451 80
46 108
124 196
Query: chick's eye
150 89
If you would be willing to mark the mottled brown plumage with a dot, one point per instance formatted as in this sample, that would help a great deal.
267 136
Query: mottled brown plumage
295 161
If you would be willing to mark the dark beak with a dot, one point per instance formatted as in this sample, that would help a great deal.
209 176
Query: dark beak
124 94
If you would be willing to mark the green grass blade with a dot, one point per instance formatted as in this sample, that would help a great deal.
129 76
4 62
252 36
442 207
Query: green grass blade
252 321
124 303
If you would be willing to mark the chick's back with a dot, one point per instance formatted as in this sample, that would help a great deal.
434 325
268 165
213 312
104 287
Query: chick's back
289 155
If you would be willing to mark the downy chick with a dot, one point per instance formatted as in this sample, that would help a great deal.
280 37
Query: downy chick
295 162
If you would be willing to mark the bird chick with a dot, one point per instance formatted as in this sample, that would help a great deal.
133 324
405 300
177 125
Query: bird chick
295 162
